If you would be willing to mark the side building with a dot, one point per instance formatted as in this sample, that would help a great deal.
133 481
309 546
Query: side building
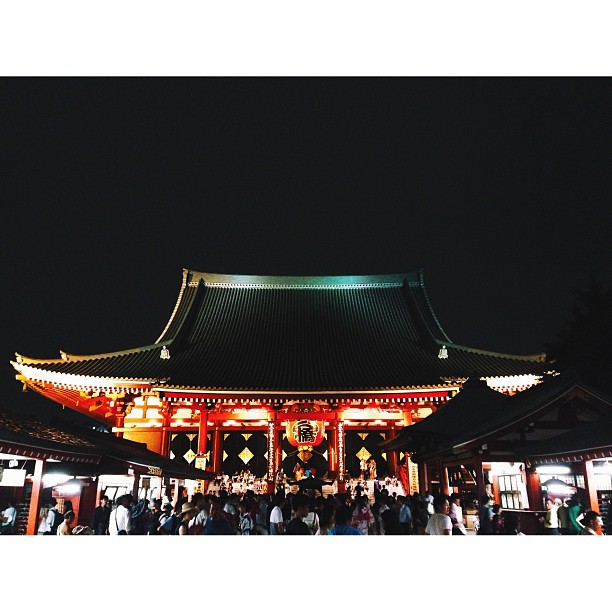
271 373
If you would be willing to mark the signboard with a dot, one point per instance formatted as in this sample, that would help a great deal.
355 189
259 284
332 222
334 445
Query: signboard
12 478
413 471
154 471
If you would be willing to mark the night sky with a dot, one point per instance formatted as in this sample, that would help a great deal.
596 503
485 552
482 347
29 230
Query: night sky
499 188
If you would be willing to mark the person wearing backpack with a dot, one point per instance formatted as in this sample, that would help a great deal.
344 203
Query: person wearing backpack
54 519
169 522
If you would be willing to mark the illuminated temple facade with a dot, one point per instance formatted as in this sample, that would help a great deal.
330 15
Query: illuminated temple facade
259 373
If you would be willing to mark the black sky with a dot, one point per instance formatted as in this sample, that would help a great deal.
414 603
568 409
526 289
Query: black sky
497 187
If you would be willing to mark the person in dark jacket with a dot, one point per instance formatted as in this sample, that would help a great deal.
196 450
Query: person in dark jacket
101 516
296 526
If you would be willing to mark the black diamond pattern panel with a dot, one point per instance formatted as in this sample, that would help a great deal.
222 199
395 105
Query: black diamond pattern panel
354 441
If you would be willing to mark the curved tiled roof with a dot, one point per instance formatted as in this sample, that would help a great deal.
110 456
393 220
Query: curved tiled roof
298 334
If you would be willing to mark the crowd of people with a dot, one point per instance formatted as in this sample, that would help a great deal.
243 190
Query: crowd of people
570 517
239 482
247 512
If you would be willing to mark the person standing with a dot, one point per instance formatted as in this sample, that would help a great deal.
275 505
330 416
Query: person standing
512 524
216 523
101 517
405 516
574 511
456 515
277 521
485 516
439 522
66 527
188 512
362 468
498 520
362 517
153 517
563 516
54 519
372 469
593 523
246 525
297 526
196 524
342 527
120 520
550 520
9 517
44 527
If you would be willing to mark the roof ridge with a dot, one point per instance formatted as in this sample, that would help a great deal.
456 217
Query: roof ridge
333 281
540 357
176 305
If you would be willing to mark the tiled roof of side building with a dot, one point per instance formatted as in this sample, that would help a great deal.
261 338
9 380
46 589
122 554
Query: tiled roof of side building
478 411
299 334
92 446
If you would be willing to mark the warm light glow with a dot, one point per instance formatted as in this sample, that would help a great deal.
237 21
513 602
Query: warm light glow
71 489
76 380
557 489
116 480
503 467
523 381
553 469
52 480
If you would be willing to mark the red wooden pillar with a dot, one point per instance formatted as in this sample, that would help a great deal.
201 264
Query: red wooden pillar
203 432
217 450
200 460
392 456
480 483
423 477
166 412
589 485
534 491
407 417
35 498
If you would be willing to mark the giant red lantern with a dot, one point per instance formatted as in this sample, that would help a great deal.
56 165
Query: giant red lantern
305 433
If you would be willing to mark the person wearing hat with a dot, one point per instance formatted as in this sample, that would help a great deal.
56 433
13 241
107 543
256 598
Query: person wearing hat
188 511
167 520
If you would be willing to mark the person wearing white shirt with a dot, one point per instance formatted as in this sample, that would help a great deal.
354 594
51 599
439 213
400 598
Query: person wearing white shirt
9 516
120 522
439 522
592 523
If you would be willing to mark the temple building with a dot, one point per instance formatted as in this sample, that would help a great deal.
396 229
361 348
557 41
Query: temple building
308 375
